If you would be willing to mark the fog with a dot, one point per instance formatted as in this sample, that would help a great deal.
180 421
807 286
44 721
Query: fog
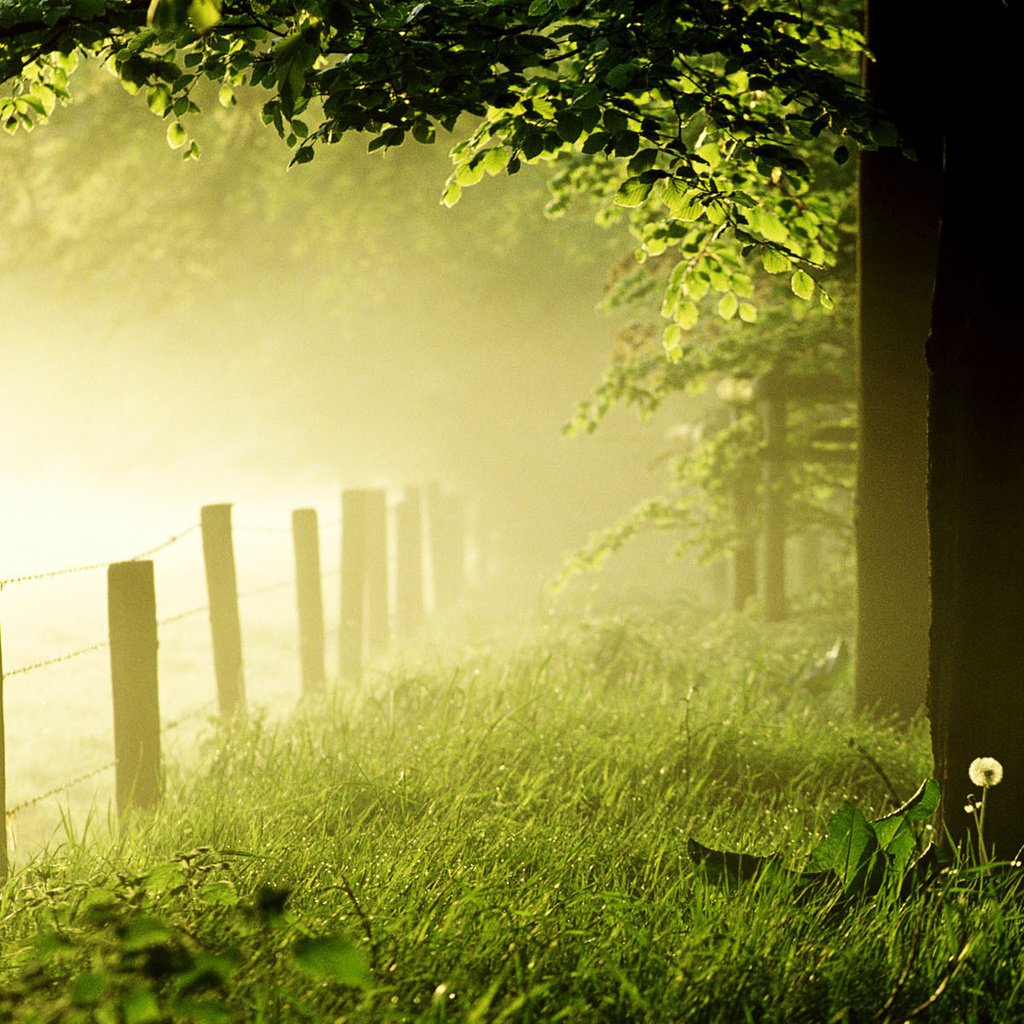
180 332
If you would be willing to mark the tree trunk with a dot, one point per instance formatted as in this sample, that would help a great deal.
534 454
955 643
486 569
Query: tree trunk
976 435
898 238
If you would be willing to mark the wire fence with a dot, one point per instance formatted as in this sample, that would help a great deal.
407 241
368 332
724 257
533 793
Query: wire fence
204 710
379 609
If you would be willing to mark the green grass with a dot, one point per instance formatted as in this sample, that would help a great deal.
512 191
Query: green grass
503 837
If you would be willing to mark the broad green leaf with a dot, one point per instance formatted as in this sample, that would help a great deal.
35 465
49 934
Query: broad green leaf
204 14
452 193
632 192
802 285
176 135
696 286
470 173
742 284
920 807
710 154
495 160
621 75
164 877
140 1006
748 312
686 314
569 125
226 96
826 300
768 225
727 306
145 932
332 958
680 200
89 988
774 262
220 892
851 848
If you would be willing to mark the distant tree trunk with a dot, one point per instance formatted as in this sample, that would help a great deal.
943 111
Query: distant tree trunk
976 433
898 238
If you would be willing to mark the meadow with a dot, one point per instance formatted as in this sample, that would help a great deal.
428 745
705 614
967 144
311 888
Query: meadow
502 833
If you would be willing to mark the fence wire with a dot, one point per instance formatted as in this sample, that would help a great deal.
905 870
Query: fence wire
22 669
200 711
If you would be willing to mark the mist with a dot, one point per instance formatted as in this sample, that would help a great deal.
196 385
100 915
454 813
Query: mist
180 332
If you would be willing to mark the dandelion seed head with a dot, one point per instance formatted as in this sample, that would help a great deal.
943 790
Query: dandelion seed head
985 772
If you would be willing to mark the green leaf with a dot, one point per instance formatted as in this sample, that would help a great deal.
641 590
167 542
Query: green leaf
802 285
748 312
220 892
226 96
145 932
632 192
495 160
696 286
332 958
626 143
851 849
774 262
727 306
204 14
452 193
140 1006
176 135
89 988
768 226
470 173
621 75
686 314
568 125
158 99
826 300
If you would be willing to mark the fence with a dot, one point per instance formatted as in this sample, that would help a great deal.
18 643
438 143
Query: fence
398 562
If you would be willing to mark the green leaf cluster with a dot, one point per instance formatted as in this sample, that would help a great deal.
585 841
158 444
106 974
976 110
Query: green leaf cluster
857 856
125 951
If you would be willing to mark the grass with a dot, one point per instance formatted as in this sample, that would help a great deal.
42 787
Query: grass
504 838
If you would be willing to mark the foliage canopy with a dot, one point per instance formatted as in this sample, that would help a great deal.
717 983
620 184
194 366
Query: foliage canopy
697 118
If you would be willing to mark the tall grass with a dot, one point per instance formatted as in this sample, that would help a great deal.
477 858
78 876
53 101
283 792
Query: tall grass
502 836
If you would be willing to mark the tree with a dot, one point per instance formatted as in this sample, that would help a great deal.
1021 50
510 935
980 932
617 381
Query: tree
698 117
976 434
897 240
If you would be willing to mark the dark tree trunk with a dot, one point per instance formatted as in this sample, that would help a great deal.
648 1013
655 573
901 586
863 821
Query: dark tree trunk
898 238
976 431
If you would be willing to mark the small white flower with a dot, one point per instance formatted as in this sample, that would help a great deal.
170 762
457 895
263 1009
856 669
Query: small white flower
986 772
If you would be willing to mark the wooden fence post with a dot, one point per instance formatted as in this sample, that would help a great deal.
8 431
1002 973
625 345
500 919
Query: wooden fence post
445 518
5 865
222 587
353 578
364 579
131 607
378 623
306 538
409 562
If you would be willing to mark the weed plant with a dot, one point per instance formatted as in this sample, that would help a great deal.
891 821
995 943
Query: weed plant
502 837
